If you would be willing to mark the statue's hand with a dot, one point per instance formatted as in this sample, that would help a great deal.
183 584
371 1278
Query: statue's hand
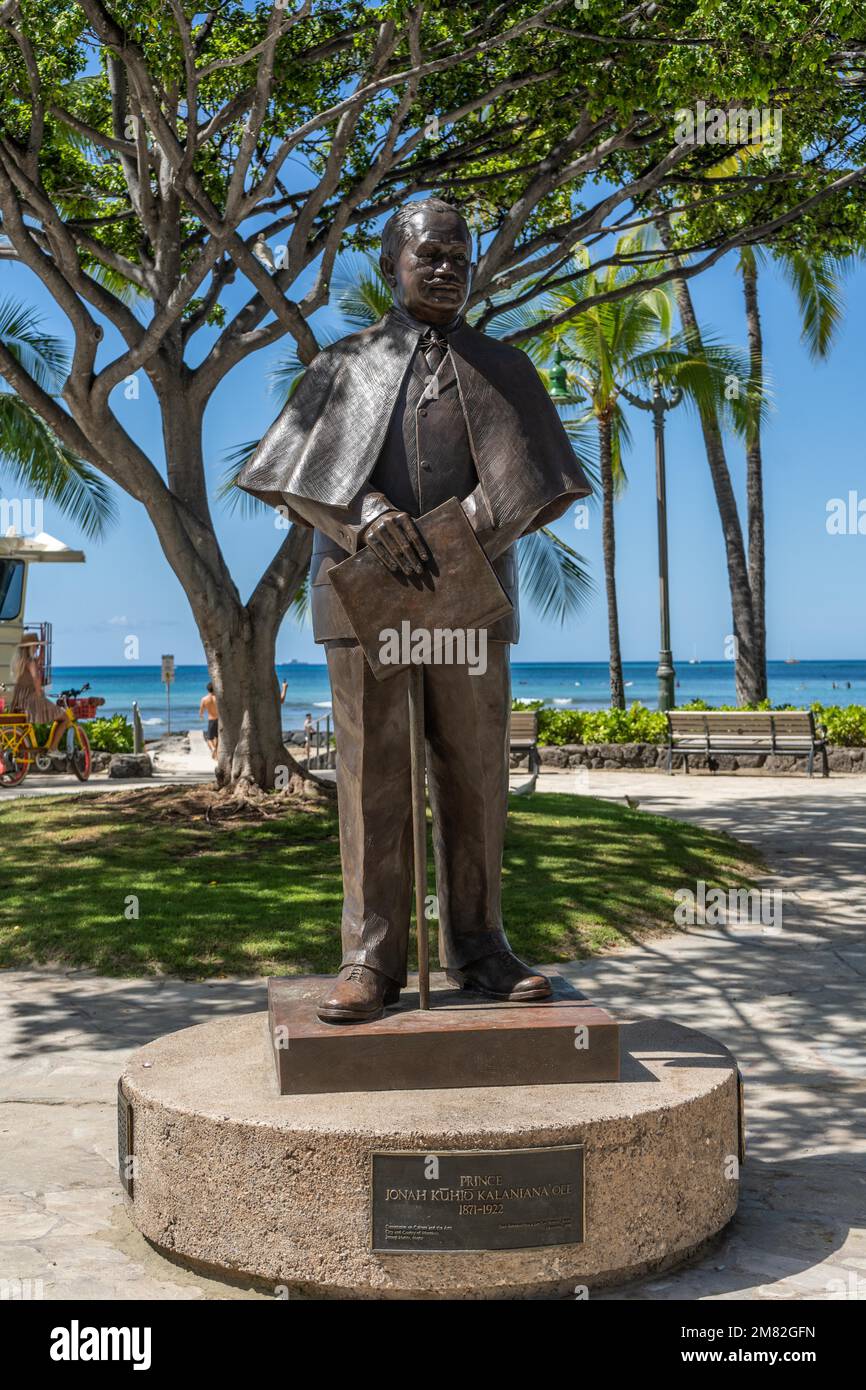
396 541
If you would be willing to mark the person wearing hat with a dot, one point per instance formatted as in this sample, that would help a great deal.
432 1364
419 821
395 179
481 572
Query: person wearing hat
28 696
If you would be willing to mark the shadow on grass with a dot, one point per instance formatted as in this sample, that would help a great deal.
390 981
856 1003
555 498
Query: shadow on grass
582 874
84 882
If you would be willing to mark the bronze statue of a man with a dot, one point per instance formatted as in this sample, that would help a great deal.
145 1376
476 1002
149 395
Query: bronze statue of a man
385 425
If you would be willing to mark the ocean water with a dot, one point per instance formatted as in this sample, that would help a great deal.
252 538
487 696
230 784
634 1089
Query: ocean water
562 685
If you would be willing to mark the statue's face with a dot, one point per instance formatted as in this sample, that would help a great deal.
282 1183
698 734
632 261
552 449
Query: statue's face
430 277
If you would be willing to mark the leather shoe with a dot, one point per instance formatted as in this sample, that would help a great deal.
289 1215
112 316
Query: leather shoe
502 976
358 995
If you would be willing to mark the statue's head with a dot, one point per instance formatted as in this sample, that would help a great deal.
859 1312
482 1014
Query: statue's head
427 260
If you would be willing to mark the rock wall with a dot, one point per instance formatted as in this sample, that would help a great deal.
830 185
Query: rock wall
653 756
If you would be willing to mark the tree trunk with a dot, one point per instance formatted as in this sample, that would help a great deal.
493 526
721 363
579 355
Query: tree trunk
746 671
240 649
755 476
608 540
251 752
239 639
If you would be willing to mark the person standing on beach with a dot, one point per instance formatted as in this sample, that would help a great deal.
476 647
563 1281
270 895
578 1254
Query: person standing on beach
208 709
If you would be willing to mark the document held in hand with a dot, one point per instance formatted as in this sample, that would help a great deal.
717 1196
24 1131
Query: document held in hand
457 591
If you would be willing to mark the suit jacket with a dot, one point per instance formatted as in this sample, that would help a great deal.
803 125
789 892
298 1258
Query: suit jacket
325 458
425 460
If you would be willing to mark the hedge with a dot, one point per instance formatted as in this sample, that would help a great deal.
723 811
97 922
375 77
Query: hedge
112 735
845 724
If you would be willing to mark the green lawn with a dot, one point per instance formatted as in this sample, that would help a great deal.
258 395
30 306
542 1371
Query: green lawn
263 897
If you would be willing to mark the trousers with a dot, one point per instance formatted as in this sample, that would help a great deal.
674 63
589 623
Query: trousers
467 732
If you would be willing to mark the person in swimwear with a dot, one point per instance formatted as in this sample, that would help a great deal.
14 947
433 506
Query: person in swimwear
208 709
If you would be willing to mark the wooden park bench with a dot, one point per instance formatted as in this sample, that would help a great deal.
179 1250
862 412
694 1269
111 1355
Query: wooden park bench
523 736
792 733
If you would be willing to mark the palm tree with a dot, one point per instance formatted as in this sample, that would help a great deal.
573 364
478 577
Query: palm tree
604 344
554 577
815 280
31 455
749 676
613 349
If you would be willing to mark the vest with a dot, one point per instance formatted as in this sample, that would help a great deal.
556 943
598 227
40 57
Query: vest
425 459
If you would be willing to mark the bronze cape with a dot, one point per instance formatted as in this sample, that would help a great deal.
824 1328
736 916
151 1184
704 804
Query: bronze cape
325 442
364 433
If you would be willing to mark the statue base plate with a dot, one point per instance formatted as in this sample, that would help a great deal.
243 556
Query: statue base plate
291 1191
462 1040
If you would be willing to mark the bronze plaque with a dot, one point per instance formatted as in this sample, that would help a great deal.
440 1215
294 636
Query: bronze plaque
125 1161
478 1199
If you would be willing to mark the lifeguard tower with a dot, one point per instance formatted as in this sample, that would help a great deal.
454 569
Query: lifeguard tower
17 553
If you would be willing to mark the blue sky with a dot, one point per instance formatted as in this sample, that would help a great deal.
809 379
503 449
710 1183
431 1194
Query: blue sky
813 450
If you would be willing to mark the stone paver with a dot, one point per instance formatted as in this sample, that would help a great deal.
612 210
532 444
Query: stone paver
789 1003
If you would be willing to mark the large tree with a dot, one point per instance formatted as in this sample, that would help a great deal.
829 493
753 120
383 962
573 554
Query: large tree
149 150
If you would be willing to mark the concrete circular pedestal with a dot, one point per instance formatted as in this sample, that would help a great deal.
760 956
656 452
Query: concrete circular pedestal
230 1175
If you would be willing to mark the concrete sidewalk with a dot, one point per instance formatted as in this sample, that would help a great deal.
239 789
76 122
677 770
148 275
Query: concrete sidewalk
176 762
181 763
788 1003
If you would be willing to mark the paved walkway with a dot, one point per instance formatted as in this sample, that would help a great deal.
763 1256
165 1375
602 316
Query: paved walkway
182 762
788 1003
177 761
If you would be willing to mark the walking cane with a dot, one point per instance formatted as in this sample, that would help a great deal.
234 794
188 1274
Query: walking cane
419 826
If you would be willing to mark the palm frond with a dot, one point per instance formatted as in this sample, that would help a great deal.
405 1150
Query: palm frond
815 281
227 491
581 429
714 378
362 292
45 358
285 375
125 290
34 457
553 577
620 442
510 319
301 604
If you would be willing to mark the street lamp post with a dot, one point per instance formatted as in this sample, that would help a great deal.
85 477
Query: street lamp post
659 405
560 390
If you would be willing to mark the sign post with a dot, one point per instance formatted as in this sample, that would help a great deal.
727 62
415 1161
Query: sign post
167 678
